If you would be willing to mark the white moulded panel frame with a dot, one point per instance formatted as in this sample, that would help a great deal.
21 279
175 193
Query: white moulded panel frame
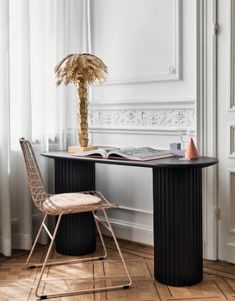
174 72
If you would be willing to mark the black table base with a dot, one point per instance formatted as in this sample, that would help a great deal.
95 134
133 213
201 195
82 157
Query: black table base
178 225
77 232
177 198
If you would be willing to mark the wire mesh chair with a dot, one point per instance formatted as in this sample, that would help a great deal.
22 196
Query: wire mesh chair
58 205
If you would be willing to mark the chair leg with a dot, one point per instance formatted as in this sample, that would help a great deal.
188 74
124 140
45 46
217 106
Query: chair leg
46 258
35 241
118 248
101 236
85 291
70 261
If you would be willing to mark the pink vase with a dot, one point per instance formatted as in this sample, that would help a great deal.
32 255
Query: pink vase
191 151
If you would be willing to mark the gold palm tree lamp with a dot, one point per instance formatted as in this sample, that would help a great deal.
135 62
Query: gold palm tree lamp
81 69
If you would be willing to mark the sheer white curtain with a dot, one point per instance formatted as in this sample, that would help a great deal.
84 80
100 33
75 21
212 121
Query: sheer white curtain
34 36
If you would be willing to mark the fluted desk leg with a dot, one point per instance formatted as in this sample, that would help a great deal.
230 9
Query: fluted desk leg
178 225
76 234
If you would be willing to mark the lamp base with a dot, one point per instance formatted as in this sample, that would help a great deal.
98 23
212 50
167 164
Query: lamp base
78 149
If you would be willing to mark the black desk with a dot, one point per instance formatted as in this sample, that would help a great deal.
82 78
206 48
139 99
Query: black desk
177 197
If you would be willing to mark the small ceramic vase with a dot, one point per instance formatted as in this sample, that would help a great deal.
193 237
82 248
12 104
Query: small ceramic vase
191 151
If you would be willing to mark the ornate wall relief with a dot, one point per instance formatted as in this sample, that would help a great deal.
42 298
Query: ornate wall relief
162 119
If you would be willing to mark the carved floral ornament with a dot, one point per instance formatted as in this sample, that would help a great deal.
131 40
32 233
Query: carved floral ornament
143 119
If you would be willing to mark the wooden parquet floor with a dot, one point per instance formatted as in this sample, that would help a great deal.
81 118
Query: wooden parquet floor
18 283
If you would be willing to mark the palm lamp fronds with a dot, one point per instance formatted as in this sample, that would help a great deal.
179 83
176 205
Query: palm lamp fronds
80 67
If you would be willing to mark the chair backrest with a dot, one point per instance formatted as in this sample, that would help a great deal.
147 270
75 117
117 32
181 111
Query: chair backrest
36 185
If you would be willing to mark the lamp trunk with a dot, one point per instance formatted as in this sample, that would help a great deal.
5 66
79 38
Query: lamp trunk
82 133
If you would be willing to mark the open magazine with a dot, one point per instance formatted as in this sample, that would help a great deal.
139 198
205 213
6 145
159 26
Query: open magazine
129 153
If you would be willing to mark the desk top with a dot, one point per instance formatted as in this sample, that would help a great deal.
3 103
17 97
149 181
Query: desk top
172 162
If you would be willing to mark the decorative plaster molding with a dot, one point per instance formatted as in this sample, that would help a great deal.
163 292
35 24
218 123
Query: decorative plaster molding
125 131
167 102
158 119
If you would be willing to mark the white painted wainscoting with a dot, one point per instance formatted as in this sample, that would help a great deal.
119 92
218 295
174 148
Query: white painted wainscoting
150 50
226 130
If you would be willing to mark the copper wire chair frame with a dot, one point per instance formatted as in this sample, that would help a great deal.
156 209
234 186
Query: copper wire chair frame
29 158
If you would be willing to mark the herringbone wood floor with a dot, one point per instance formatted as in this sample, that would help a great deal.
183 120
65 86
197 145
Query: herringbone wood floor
17 283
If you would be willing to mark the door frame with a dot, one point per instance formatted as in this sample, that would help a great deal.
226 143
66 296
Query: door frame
206 112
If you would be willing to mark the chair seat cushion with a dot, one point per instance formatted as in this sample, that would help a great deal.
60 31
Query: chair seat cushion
73 200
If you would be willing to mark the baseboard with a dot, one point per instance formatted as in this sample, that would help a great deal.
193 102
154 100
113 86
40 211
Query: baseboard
21 241
131 231
230 253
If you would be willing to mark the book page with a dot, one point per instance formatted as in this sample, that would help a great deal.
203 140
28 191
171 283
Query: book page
95 152
102 151
140 153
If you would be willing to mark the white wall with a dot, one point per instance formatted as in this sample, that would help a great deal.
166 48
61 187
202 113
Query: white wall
150 50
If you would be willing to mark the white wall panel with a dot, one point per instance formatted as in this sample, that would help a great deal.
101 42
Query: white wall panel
232 56
231 198
126 31
231 144
150 50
